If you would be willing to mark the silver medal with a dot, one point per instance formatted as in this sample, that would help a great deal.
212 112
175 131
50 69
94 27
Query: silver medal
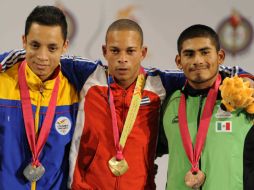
33 173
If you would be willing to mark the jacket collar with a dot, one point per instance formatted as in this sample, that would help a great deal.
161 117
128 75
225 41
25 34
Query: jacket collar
35 83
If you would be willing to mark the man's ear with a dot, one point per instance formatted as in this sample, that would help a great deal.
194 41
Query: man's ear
221 56
24 41
65 46
104 50
178 62
144 52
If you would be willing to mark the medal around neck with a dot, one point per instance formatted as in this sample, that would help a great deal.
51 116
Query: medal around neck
118 167
194 180
33 173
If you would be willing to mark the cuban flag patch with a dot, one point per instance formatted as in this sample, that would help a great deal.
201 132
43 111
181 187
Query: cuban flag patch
145 101
224 126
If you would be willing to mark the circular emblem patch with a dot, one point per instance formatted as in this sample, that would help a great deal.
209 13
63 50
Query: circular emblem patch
63 125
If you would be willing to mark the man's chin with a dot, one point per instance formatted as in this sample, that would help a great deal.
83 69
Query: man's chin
121 77
42 75
200 79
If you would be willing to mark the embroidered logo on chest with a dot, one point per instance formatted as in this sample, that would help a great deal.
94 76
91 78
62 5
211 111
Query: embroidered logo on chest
175 119
222 114
63 125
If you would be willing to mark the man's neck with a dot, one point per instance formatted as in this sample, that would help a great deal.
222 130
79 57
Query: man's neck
125 84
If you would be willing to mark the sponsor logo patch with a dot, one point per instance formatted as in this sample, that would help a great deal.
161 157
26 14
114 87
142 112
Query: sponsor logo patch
63 125
175 119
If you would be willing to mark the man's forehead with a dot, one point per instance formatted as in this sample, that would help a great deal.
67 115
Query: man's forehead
123 35
43 34
197 44
123 45
120 46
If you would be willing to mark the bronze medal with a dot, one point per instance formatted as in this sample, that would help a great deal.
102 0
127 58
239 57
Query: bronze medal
118 167
33 173
194 180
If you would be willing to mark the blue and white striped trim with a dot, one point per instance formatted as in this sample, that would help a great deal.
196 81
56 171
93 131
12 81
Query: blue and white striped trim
154 70
145 100
232 71
79 58
12 58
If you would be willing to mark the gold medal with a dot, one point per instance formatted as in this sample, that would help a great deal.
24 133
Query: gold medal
118 167
194 180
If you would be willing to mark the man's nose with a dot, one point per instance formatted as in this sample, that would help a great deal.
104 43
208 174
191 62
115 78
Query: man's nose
122 57
198 59
42 54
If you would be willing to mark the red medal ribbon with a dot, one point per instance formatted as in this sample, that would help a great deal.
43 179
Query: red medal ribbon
119 149
194 154
36 148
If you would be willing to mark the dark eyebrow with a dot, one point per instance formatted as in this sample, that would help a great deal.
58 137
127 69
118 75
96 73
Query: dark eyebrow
34 41
188 51
191 50
204 48
131 49
52 45
113 47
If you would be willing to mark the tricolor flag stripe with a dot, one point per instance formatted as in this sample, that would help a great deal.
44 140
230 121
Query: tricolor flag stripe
228 126
145 100
223 126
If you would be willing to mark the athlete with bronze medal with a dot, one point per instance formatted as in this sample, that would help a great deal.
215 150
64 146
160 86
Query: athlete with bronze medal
117 164
195 178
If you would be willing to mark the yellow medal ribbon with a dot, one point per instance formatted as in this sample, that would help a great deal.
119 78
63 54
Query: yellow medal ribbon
133 110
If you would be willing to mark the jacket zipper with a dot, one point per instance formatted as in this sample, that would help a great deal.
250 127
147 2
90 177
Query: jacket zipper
37 121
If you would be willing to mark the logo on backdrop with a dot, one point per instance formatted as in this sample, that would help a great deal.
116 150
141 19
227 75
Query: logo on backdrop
127 12
235 33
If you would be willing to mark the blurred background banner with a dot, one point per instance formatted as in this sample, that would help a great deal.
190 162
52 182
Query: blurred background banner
161 20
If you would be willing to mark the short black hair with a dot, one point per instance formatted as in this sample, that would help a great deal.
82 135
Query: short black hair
49 16
125 24
195 31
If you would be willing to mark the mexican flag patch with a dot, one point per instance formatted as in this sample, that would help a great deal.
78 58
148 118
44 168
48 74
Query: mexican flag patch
223 126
